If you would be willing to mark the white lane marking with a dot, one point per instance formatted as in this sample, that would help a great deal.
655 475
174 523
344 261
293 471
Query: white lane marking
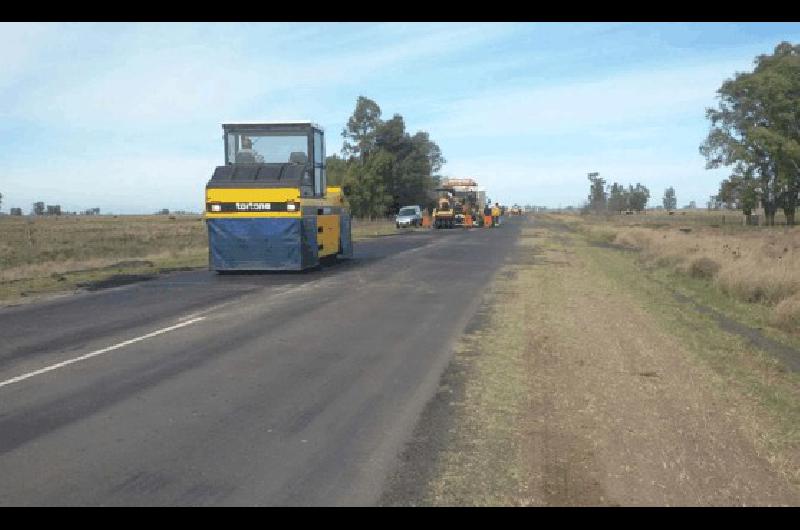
207 310
98 352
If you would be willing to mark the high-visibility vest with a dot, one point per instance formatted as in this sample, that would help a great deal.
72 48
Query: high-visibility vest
495 212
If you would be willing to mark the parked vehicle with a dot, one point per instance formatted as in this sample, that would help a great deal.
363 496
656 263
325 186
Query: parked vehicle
409 216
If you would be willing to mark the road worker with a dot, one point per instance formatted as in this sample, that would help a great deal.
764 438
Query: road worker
496 214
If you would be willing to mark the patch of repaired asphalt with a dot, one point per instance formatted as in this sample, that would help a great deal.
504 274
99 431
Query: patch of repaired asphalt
435 430
116 280
168 270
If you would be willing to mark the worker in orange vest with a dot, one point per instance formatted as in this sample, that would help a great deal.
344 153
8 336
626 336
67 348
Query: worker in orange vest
487 216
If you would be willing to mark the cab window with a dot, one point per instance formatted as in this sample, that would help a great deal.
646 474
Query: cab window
320 178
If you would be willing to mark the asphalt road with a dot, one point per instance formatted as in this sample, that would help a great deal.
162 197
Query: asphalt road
257 389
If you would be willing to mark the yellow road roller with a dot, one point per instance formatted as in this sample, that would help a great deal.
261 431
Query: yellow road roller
269 208
444 215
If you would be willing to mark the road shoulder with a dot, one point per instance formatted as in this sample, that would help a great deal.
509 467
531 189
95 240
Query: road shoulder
570 388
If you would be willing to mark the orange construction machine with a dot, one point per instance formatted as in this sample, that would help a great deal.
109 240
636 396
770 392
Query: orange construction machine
465 198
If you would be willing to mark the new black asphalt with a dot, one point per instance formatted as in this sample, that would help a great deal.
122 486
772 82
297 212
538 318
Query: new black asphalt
254 389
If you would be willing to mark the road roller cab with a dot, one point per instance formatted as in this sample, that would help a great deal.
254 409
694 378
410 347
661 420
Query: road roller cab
444 213
269 206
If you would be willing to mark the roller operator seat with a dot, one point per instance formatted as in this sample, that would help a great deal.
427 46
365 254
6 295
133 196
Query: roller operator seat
298 157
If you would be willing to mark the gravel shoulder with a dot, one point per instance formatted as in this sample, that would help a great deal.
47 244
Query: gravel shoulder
582 382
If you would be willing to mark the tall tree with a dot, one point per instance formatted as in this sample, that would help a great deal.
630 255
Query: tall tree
757 125
739 192
776 84
670 201
728 194
360 132
638 197
597 193
742 188
404 170
431 150
391 137
337 170
417 158
368 194
617 198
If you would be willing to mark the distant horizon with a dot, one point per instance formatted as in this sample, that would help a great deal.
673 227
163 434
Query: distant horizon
126 116
69 213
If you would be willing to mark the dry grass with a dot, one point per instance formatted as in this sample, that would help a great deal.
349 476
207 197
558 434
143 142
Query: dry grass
752 264
727 219
51 254
484 462
787 313
579 389
365 228
45 255
34 247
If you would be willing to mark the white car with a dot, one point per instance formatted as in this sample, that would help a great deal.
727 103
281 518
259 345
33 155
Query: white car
409 216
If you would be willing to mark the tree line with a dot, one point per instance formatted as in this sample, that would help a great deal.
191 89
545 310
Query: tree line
616 197
755 130
382 166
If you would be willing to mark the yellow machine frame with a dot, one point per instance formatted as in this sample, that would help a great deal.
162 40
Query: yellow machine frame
261 225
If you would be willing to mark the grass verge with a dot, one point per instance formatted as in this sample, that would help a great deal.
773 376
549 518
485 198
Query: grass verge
585 381
771 406
42 256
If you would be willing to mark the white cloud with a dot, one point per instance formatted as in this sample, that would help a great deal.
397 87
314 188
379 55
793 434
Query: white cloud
641 126
157 91
185 81
639 98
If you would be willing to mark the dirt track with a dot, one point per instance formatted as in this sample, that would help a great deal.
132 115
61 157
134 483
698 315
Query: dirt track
569 391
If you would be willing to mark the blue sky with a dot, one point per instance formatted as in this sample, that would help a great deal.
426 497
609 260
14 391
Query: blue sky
126 117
